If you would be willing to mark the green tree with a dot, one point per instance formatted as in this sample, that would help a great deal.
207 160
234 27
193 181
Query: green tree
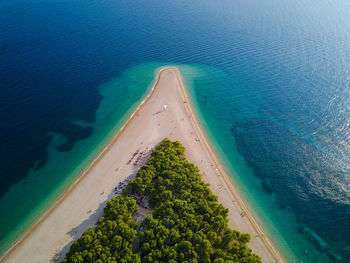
187 225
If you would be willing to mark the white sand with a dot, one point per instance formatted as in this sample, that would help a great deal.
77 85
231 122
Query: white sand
80 207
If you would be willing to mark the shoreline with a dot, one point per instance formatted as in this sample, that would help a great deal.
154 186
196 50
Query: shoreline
82 176
229 182
95 167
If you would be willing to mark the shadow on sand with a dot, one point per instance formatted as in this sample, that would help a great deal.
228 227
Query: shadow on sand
77 231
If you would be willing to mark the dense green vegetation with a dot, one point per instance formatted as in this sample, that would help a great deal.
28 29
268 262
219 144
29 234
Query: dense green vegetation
187 225
112 240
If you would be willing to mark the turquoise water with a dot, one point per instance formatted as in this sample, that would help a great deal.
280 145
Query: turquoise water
120 96
268 78
214 119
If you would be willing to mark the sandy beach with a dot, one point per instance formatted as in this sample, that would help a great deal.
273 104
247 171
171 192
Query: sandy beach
82 204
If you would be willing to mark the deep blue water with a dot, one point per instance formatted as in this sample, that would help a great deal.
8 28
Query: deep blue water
272 84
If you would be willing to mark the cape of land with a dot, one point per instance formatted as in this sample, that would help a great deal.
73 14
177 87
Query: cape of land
165 113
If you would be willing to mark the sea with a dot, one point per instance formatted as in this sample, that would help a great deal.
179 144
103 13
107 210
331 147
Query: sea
270 81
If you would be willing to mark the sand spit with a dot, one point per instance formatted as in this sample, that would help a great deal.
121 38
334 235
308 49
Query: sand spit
82 204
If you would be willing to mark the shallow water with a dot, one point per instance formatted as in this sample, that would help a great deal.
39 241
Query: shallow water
270 80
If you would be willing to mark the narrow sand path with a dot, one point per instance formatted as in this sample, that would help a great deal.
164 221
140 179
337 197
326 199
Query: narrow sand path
80 207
